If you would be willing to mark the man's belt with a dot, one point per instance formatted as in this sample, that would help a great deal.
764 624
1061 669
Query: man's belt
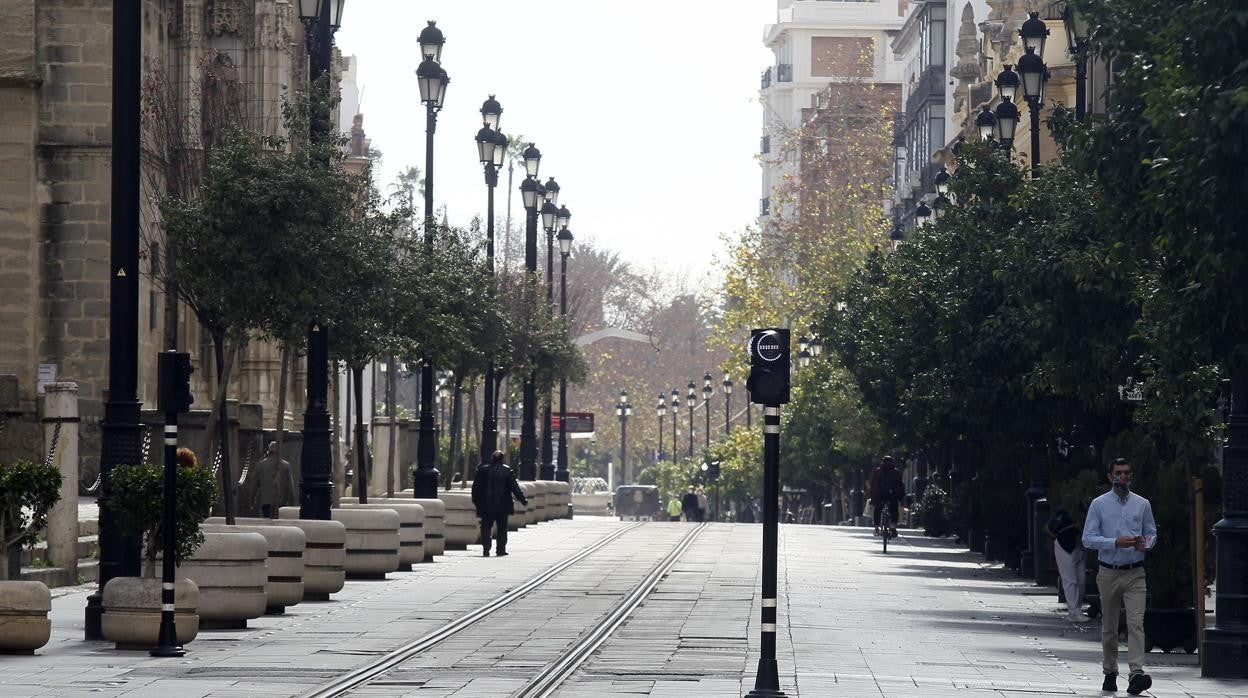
1131 566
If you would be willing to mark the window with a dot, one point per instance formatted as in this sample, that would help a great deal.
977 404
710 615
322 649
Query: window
764 206
932 36
765 144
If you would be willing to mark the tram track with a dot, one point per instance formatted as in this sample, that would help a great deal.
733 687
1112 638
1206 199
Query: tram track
553 673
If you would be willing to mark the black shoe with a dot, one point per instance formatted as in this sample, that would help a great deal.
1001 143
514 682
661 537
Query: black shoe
502 554
1139 683
1111 683
485 553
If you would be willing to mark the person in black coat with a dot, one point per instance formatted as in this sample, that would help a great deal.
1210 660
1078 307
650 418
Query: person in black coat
689 504
492 490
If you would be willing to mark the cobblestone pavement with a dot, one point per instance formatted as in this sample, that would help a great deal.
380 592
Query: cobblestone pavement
928 619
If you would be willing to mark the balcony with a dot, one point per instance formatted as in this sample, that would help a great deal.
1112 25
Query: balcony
784 72
764 206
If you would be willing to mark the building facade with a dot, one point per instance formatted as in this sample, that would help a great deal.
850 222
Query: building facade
207 64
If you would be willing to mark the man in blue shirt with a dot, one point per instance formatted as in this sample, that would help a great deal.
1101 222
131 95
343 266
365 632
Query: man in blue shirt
1120 528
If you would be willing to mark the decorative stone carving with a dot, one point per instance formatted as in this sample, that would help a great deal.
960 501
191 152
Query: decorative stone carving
226 17
968 70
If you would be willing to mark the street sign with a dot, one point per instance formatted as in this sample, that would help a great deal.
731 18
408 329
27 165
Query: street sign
578 422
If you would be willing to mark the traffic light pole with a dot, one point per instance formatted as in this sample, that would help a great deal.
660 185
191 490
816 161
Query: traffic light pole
174 396
767 679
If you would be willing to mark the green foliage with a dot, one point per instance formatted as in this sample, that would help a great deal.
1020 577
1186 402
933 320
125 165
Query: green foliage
28 490
135 496
934 511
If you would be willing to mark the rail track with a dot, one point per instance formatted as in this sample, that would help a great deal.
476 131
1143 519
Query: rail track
550 676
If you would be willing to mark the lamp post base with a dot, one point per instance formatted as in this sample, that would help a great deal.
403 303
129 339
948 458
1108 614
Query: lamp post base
1224 654
766 693
425 483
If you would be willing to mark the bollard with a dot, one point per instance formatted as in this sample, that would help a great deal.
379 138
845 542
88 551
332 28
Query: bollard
60 409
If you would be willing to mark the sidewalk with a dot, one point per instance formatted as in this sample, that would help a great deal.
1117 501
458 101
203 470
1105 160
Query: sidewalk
928 619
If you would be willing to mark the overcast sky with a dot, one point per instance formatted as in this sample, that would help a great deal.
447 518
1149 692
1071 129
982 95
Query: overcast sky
645 111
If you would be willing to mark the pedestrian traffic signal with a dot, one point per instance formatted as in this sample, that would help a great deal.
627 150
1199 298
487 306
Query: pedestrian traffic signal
768 382
713 470
173 393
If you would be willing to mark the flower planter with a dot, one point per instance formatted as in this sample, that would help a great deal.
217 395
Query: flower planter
324 554
1168 629
284 582
462 526
230 571
24 624
131 616
411 526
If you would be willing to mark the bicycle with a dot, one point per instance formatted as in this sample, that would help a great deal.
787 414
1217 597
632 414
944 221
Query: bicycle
886 525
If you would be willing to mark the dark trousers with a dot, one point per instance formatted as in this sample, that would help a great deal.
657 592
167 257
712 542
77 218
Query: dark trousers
487 526
892 510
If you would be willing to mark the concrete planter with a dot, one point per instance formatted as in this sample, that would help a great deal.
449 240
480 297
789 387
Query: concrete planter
372 540
131 617
230 571
563 498
24 624
324 554
284 584
435 526
411 526
530 509
462 527
539 500
519 513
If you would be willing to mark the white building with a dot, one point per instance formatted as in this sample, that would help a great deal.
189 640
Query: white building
817 42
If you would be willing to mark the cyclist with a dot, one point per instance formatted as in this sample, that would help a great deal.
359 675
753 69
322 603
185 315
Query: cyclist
886 489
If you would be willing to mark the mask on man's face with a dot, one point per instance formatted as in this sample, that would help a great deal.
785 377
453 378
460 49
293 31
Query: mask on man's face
1122 484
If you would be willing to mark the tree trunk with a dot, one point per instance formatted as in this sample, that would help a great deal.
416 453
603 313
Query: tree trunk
456 432
287 358
224 365
346 432
392 374
361 444
474 422
336 492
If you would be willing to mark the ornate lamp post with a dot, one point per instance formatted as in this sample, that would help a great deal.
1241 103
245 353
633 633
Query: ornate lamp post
1006 114
1034 74
531 195
1077 33
985 123
922 215
727 383
492 150
550 211
432 81
692 400
661 410
707 392
565 249
675 411
624 409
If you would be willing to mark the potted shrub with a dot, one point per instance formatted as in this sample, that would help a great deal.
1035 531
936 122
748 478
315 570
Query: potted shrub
132 604
934 511
27 493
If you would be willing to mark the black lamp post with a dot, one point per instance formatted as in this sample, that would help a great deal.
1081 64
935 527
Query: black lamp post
492 150
675 411
624 409
531 195
1006 114
985 123
565 249
896 236
727 383
1077 33
692 399
121 440
432 81
1034 74
661 410
707 392
550 210
922 215
1226 641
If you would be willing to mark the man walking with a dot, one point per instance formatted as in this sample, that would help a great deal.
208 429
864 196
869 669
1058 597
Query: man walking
689 505
1070 562
1121 529
492 490
674 509
275 482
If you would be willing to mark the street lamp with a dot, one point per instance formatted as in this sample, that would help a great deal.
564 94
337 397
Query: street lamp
661 410
816 345
1034 74
432 80
565 249
491 149
531 196
897 236
551 222
727 383
922 215
707 391
1006 115
985 123
939 205
803 358
624 409
692 399
1077 33
675 411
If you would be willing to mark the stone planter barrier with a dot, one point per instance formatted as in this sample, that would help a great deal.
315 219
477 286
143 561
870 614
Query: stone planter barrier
539 503
372 540
411 526
284 584
131 616
435 526
324 554
530 509
462 527
24 624
519 514
230 571
563 495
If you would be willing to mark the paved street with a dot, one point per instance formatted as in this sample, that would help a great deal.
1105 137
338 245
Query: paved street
925 620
